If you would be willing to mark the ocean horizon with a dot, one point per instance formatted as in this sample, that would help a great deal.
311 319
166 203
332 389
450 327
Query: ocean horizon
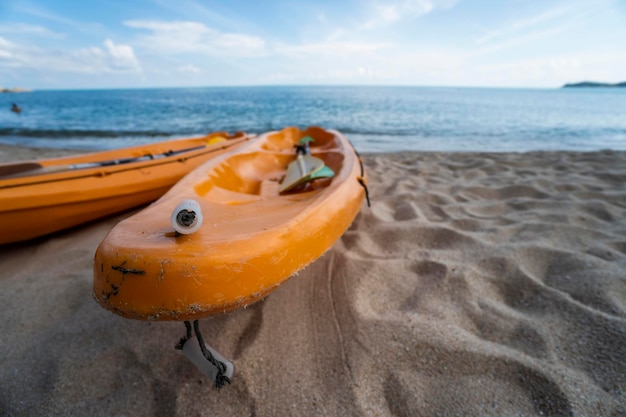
374 118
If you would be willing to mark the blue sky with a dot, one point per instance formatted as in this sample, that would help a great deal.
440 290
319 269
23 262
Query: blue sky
56 44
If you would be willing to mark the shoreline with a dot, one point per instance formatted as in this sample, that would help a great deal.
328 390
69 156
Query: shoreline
476 284
9 153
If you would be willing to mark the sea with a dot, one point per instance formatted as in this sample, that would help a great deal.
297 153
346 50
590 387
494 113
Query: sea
375 119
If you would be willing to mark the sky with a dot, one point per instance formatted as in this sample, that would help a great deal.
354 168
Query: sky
63 44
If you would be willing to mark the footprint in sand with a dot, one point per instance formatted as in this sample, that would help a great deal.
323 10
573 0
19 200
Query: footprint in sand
404 210
515 388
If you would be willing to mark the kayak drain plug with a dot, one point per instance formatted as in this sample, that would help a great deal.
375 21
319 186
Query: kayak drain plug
187 217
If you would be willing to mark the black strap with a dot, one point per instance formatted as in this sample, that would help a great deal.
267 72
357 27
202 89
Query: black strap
361 179
183 340
367 192
220 379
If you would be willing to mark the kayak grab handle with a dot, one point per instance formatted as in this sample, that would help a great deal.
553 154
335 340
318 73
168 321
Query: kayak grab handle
187 217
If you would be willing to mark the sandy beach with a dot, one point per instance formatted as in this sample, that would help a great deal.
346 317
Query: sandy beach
477 284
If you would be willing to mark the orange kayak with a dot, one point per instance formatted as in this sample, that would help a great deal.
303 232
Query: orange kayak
253 236
45 196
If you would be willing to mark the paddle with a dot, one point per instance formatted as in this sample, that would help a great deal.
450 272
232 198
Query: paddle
34 168
305 168
122 161
14 169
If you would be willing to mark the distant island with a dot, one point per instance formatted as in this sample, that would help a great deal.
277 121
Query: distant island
14 90
594 84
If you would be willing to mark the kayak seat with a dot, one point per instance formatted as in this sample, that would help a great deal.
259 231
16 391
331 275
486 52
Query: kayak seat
283 141
234 175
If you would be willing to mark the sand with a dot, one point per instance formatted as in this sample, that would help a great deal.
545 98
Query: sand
477 284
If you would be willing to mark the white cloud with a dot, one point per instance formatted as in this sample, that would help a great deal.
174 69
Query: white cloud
24 29
238 40
5 43
177 37
558 69
545 23
371 63
519 40
42 13
387 12
113 58
6 50
331 49
121 57
189 69
192 29
517 26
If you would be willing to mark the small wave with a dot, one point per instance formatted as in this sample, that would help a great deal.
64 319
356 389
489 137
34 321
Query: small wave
367 132
68 133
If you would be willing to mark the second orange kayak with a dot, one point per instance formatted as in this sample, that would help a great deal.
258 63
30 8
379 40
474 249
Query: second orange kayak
44 196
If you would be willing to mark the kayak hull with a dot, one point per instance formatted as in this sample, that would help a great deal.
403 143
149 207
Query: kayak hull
252 240
60 193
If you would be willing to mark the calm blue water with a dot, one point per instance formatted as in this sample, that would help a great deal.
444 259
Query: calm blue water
388 119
